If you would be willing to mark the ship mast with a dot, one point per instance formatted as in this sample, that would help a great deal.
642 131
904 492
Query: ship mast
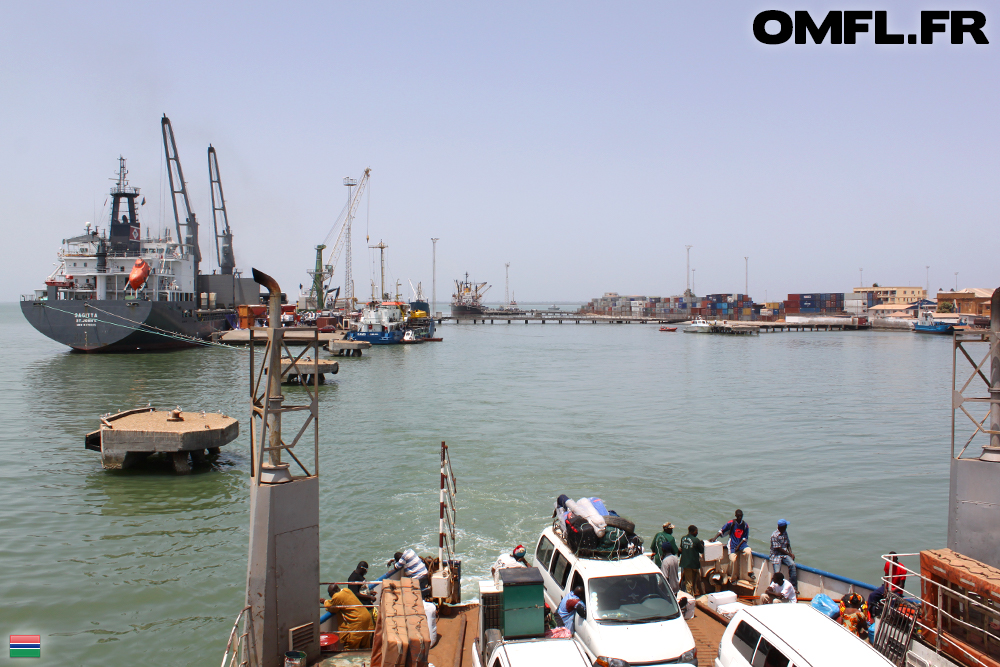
187 232
223 240
381 248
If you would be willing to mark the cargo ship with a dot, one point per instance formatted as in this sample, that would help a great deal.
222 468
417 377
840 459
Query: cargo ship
118 291
468 298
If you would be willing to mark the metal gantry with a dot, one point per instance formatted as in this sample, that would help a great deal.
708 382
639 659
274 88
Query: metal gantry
965 394
268 404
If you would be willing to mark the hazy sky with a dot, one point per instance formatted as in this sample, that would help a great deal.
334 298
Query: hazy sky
585 143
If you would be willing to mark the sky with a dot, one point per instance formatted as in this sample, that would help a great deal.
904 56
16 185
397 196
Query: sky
584 143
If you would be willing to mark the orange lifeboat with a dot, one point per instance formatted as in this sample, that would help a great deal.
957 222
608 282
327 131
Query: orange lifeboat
137 278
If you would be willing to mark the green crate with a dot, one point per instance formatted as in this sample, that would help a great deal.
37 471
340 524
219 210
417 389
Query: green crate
523 602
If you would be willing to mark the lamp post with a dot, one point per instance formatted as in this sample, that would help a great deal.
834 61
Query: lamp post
687 277
434 245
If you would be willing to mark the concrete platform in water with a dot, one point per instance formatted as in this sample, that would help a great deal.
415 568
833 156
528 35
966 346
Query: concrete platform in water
128 437
291 370
290 335
347 348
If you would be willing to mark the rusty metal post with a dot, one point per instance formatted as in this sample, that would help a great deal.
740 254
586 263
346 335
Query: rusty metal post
991 451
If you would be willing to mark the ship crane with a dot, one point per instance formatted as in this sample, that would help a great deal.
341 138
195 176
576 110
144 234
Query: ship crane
324 270
223 239
187 232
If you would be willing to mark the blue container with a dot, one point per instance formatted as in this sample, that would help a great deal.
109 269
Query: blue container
824 604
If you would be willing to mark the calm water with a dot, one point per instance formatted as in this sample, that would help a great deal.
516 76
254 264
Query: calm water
844 434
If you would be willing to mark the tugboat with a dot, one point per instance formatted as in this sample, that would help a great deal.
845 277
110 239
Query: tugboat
118 291
927 324
382 319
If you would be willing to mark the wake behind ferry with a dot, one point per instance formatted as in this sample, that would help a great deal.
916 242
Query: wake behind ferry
119 291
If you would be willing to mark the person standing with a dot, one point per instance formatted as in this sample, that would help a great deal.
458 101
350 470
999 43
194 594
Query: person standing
690 561
739 533
781 553
779 591
665 554
412 566
895 574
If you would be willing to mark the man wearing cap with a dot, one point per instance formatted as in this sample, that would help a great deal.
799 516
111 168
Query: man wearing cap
665 555
514 559
739 533
781 552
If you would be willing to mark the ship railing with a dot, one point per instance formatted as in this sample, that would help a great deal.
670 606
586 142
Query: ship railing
239 652
930 605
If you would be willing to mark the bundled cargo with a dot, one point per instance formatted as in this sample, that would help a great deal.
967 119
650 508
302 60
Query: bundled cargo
593 531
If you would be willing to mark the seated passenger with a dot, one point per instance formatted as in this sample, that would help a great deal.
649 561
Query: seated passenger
352 618
514 559
779 590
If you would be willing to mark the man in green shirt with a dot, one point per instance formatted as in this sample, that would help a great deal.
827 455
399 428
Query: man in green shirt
691 550
664 544
665 553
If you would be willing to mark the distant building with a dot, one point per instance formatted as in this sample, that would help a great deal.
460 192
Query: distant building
971 301
893 295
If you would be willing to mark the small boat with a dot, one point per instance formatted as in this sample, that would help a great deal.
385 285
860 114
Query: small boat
699 325
926 324
410 336
668 328
434 340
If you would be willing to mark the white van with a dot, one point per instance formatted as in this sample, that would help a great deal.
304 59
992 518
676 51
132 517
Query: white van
631 612
781 635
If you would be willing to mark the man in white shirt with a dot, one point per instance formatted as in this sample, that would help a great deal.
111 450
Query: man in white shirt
779 590
514 559
412 566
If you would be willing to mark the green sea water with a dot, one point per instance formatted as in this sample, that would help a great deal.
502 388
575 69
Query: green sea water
845 434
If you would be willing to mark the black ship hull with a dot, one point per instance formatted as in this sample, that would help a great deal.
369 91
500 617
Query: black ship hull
122 326
466 311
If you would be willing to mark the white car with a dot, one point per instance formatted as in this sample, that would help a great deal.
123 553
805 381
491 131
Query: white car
779 635
631 613
532 653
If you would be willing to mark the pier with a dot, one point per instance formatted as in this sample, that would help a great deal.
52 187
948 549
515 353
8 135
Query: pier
735 327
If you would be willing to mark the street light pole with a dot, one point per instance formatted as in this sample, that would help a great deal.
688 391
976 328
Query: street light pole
746 276
434 294
687 276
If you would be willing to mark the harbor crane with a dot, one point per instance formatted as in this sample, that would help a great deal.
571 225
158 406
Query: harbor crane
223 239
325 269
187 232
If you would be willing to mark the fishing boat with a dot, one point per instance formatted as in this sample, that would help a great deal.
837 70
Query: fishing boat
927 324
699 325
668 328
410 337
116 290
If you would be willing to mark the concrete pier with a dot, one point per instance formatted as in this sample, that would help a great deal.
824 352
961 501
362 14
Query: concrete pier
291 369
290 336
127 438
347 348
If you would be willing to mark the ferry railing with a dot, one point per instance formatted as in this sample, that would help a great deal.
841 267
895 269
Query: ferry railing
941 594
238 651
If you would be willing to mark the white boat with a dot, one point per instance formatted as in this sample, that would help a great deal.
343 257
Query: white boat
699 325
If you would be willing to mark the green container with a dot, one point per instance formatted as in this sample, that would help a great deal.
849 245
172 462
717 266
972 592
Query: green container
523 602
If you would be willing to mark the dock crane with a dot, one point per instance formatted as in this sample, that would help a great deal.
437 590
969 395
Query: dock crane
223 240
187 233
324 270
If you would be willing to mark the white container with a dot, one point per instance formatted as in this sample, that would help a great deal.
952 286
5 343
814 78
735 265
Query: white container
211 300
727 611
716 600
713 551
441 584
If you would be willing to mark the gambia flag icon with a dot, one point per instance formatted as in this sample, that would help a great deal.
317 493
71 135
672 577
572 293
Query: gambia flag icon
26 646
